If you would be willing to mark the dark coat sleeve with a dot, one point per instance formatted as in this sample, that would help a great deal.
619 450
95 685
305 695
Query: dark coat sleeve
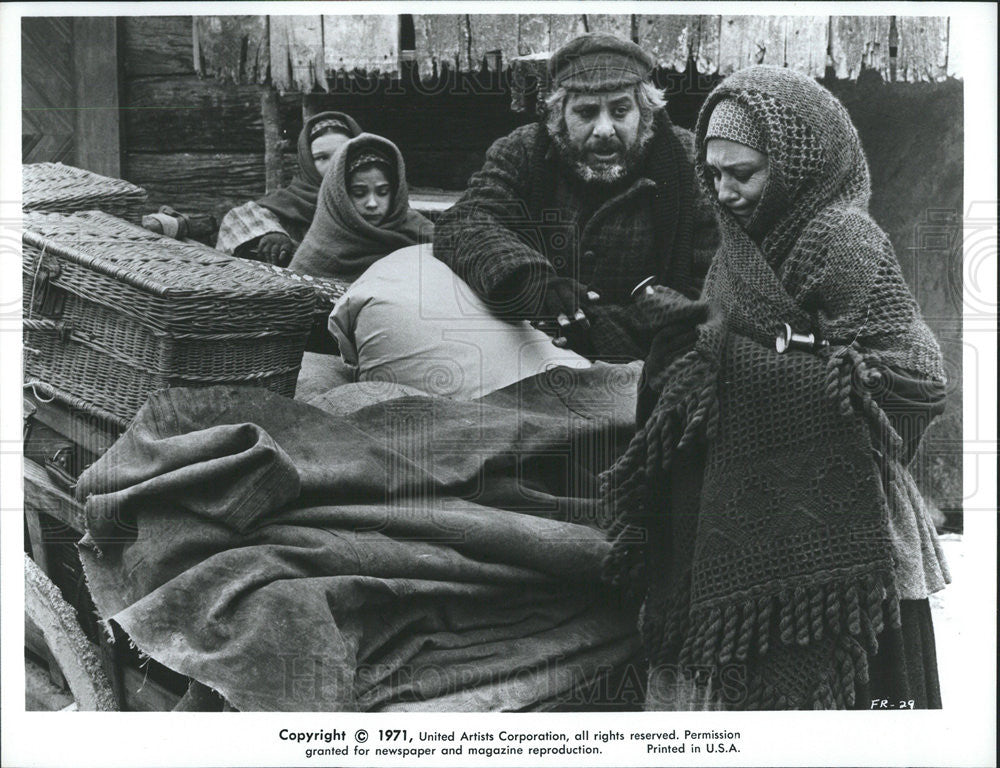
485 238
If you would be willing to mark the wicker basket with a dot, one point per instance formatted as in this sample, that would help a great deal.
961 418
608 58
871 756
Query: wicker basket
63 189
327 289
113 312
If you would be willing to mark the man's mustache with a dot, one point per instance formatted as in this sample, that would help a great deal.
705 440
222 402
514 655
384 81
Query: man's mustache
604 146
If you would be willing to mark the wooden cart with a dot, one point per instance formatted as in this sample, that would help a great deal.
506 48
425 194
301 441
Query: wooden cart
90 665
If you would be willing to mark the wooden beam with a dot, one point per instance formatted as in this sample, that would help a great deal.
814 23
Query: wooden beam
43 497
563 28
367 43
145 695
438 40
297 56
748 40
157 45
705 46
95 67
532 34
273 143
859 42
91 433
191 114
493 37
923 48
617 24
33 522
668 38
234 48
806 40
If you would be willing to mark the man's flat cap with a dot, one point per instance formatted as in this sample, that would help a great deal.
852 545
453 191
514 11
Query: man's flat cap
599 62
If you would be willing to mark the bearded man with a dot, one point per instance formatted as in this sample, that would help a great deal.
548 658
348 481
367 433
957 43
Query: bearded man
568 215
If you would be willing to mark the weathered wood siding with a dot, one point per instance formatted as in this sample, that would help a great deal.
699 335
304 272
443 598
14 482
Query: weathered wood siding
193 143
306 51
47 91
198 142
67 62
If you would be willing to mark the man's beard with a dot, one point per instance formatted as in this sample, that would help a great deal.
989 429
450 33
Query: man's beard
603 173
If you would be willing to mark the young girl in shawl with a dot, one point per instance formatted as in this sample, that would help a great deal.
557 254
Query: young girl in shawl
363 212
764 514
272 228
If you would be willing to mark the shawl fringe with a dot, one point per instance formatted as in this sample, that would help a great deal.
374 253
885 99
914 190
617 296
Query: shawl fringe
851 613
686 413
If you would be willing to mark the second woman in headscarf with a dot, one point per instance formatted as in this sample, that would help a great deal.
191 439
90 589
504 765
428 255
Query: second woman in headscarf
272 227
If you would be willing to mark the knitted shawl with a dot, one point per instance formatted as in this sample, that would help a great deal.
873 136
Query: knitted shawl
296 203
749 508
340 243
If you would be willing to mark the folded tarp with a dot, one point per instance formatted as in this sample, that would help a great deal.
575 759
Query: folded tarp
419 553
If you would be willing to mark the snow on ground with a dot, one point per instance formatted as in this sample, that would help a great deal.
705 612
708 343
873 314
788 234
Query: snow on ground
947 608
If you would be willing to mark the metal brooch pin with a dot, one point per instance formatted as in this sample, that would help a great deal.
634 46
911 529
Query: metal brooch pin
788 339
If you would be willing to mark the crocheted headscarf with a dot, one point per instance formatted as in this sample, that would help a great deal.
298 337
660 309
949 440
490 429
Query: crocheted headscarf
296 203
340 243
732 121
754 475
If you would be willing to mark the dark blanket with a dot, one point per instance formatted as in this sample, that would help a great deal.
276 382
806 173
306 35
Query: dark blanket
418 554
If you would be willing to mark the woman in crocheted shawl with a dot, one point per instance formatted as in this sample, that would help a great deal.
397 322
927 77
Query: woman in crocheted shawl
272 228
344 240
763 513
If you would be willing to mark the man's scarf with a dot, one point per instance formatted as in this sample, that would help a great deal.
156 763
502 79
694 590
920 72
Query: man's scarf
340 243
777 557
296 203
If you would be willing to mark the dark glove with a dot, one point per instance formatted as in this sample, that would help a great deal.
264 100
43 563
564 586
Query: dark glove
275 248
565 300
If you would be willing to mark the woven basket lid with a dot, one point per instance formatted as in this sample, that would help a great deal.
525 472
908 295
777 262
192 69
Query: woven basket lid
184 272
47 184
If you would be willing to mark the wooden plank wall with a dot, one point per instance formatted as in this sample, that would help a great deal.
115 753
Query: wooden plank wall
300 52
304 52
194 143
197 142
193 134
69 81
95 64
47 91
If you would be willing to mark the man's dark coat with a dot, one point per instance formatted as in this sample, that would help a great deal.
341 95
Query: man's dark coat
526 215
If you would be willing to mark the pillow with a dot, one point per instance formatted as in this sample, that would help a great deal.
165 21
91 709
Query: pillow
408 319
320 373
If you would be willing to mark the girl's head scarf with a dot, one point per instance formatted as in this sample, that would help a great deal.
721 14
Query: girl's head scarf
340 243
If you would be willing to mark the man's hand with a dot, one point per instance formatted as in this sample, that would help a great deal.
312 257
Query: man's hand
275 248
564 300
